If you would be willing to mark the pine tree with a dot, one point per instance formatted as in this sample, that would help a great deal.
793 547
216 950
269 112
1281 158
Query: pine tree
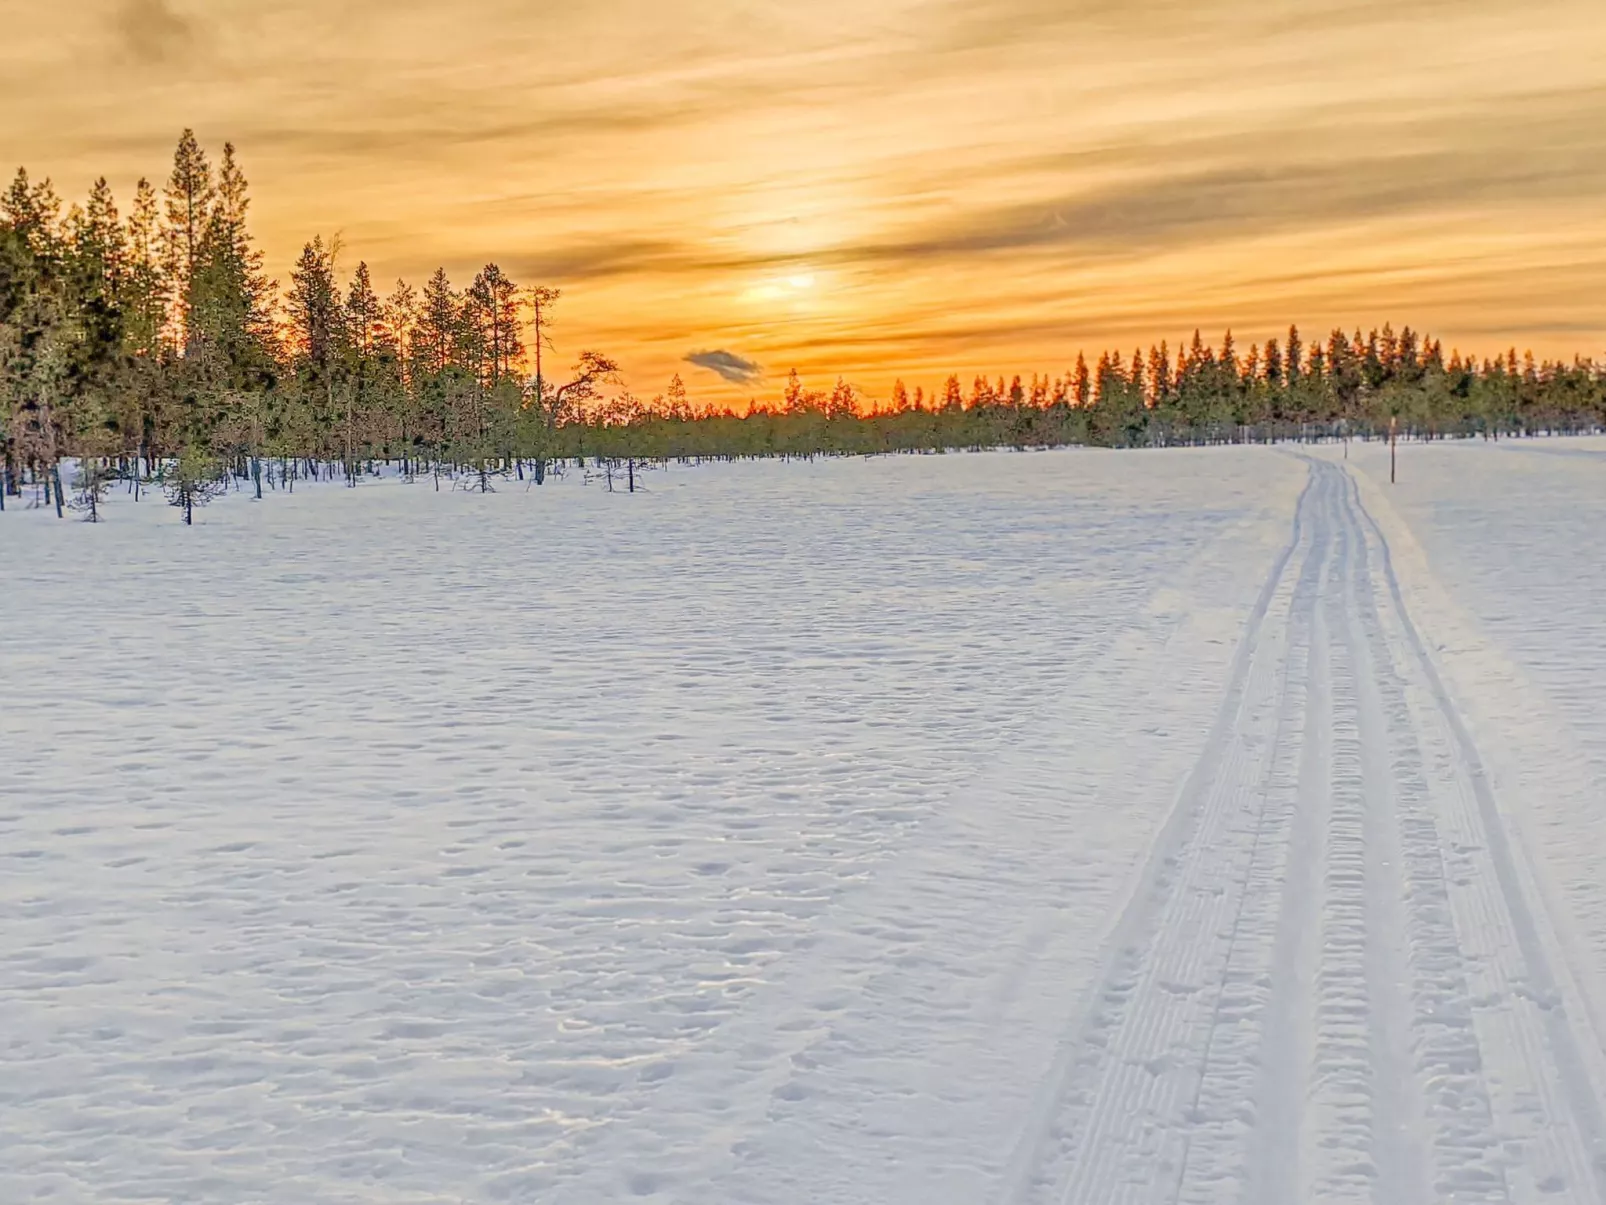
493 308
792 397
1081 382
319 342
229 354
843 402
145 299
364 314
541 300
1228 361
1274 364
675 403
146 326
439 318
398 318
231 294
101 245
189 197
31 211
194 481
1160 382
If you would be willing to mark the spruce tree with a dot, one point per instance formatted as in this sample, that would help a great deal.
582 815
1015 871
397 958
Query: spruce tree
189 197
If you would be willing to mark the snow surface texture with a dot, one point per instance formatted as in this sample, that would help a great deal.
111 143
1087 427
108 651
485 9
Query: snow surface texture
1199 826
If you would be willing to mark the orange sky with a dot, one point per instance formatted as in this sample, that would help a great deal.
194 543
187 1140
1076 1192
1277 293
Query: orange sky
881 187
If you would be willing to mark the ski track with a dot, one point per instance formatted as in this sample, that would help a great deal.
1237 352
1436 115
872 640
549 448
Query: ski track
1333 986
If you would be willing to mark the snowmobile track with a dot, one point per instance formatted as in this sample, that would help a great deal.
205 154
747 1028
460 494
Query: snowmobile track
1330 983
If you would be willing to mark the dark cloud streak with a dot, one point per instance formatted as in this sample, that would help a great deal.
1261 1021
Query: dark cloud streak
149 32
730 366
1168 211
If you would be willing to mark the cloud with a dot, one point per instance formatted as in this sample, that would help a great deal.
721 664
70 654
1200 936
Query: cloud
729 365
150 32
596 259
1202 206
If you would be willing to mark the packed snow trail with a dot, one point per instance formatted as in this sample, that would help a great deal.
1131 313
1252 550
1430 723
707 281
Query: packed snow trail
1332 985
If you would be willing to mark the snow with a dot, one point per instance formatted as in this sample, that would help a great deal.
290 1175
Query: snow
1207 825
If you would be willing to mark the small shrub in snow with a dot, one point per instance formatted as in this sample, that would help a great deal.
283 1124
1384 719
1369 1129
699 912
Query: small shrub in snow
193 481
90 484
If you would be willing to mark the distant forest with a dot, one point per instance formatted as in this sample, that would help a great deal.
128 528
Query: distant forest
153 346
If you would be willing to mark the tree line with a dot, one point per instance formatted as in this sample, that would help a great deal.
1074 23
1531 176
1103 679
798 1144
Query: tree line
152 346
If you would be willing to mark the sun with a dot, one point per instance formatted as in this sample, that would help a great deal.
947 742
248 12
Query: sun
780 288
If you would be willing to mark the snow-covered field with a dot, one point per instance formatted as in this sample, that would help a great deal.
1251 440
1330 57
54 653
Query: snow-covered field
1198 826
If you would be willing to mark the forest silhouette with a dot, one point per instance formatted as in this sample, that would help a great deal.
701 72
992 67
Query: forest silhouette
154 347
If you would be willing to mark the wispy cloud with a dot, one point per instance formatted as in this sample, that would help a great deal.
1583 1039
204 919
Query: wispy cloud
734 368
151 32
1249 201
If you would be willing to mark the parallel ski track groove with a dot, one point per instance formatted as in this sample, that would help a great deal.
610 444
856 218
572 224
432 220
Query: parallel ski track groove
1215 1161
1582 1107
1042 1144
1446 1056
1340 1140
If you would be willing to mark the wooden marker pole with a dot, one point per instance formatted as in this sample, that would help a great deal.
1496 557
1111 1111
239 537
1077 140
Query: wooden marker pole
1394 426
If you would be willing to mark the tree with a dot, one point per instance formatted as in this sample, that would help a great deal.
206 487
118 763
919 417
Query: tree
193 481
494 305
232 295
147 289
1082 382
189 196
31 212
1274 364
320 342
798 400
101 245
229 352
675 403
89 488
439 320
364 314
843 402
59 328
364 370
592 370
541 299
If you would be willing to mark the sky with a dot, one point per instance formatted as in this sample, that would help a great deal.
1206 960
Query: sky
877 189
